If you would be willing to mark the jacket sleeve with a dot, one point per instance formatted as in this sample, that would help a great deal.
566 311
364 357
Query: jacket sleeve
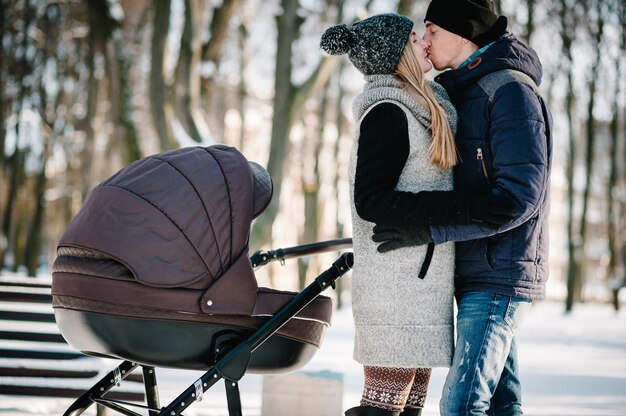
382 154
520 159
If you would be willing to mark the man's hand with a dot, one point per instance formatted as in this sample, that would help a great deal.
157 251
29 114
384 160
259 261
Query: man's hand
491 211
393 237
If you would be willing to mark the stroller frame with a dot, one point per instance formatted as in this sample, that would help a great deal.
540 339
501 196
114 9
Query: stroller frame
233 352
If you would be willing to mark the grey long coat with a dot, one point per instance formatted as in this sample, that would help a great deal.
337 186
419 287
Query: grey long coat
401 320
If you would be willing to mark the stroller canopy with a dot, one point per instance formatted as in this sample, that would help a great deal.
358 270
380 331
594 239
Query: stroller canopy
179 219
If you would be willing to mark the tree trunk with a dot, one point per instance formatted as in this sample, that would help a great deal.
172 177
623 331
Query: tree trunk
311 186
573 243
15 167
6 51
159 104
530 22
99 34
612 220
288 25
218 34
340 173
52 25
118 71
16 162
616 233
187 84
133 152
590 145
122 141
17 242
242 87
288 100
33 240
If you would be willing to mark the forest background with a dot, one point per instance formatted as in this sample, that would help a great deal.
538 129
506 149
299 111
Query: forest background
86 87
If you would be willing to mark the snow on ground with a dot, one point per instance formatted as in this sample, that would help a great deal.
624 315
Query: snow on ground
571 365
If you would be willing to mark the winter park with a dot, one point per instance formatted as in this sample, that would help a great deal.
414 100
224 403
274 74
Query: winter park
298 207
572 365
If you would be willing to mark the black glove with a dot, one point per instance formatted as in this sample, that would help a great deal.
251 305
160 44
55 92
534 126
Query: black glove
491 211
393 237
456 207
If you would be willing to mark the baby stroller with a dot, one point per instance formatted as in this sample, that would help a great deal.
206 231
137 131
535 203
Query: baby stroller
154 271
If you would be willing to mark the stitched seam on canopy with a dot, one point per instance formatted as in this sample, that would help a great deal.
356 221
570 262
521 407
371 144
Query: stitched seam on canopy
217 246
230 206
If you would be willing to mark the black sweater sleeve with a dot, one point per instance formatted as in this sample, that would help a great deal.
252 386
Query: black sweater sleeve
381 156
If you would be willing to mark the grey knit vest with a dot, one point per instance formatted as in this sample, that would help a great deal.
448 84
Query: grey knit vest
401 320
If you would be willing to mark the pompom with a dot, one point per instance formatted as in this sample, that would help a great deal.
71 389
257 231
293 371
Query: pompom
337 40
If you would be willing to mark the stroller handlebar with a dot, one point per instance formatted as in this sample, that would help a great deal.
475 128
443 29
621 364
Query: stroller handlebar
261 257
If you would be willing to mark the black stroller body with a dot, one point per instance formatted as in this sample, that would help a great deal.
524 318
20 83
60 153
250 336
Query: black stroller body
154 270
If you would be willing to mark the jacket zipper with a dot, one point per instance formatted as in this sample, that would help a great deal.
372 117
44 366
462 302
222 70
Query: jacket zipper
479 156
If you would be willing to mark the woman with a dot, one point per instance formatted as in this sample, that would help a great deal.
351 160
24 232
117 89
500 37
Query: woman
400 174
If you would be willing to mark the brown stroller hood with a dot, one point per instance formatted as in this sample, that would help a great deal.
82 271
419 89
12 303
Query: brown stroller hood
179 219
154 269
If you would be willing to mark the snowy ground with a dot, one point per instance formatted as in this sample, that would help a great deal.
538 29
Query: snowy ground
572 365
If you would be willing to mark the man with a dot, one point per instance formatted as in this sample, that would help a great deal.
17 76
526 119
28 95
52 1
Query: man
504 142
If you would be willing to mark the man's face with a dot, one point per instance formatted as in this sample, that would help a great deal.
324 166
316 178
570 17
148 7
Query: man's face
445 49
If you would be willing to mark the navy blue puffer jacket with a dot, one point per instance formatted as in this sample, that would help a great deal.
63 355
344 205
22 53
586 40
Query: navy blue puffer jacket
505 147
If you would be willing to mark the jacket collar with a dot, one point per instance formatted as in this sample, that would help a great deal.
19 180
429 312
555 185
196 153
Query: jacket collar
505 53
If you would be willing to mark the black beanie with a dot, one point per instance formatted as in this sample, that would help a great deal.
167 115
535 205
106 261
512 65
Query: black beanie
374 45
475 20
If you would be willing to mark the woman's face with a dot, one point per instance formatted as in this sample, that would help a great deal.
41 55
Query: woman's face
420 48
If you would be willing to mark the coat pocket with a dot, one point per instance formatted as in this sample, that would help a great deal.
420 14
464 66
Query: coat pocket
473 257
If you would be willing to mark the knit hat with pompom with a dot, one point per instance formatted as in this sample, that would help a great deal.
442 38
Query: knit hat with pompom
374 45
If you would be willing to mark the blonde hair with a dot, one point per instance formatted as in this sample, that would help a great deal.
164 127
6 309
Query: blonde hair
442 151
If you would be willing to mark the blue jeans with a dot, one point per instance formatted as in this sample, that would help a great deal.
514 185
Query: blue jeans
483 378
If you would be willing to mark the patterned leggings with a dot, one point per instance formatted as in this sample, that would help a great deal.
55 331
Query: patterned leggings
395 389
